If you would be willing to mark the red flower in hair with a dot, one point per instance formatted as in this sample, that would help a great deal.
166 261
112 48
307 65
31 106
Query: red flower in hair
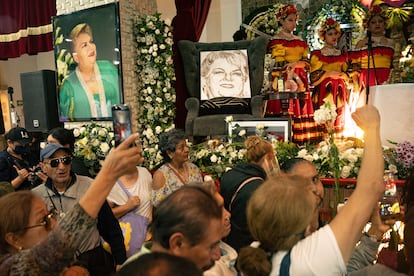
330 21
285 11
376 9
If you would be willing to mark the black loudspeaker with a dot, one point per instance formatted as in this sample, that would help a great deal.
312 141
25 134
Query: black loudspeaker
39 100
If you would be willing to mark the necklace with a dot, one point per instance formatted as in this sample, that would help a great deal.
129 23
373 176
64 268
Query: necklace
330 51
286 34
184 177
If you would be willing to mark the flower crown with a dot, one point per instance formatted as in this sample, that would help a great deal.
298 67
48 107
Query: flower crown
328 24
285 10
375 10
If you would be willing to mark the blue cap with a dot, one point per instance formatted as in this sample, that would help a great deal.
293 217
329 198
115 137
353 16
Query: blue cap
50 149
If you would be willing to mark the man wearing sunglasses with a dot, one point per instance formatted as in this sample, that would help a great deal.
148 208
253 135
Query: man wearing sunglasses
61 192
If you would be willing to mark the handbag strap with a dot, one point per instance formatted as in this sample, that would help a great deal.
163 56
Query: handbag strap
285 265
119 182
241 187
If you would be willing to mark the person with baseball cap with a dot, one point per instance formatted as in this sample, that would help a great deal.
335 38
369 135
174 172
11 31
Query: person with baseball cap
17 163
61 192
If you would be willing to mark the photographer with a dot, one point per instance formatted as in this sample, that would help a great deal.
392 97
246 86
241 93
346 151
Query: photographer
18 165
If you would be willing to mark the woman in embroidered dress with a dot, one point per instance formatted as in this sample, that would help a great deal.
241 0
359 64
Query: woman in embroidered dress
92 89
328 72
290 53
33 243
177 170
381 58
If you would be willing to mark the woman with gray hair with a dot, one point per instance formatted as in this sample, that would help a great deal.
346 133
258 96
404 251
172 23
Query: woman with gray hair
177 170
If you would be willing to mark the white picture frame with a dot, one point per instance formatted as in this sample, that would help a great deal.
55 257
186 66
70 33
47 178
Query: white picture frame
274 128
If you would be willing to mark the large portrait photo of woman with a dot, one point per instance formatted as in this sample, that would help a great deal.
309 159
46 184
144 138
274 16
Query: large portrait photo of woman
88 63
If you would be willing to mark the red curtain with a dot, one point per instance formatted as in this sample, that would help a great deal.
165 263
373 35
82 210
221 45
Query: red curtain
188 24
26 27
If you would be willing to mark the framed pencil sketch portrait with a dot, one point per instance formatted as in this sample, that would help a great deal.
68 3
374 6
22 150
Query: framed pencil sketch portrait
272 128
88 63
224 74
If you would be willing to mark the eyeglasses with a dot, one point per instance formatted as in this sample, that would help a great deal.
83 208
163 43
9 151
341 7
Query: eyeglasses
66 160
46 222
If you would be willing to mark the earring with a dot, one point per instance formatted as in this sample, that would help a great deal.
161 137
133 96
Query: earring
20 248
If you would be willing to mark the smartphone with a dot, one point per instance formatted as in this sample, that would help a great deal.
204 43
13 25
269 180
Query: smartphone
389 205
121 119
389 208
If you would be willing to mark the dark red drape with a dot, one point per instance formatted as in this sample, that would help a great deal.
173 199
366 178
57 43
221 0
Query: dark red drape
188 24
26 27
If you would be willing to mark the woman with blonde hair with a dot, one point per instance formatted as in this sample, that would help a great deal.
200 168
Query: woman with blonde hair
237 185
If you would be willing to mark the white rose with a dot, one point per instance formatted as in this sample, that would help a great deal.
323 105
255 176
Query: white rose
76 132
260 126
158 130
345 172
104 147
242 132
95 142
102 132
302 153
208 178
213 158
229 119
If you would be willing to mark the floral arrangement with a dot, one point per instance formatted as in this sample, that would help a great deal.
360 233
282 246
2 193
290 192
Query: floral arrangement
400 159
93 143
155 70
214 157
326 116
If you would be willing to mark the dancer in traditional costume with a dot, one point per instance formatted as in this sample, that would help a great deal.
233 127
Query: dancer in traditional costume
328 73
381 55
290 53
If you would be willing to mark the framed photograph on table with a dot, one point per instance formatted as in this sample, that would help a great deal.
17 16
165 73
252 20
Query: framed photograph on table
272 128
88 63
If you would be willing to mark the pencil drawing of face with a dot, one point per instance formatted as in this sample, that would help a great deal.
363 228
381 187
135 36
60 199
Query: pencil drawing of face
224 74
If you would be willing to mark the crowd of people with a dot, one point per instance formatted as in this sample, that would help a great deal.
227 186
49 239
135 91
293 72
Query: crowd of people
339 75
261 219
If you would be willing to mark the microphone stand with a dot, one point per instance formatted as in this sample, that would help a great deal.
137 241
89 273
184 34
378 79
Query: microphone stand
369 49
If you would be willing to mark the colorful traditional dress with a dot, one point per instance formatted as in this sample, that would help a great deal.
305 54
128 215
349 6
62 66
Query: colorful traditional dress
287 51
380 66
328 87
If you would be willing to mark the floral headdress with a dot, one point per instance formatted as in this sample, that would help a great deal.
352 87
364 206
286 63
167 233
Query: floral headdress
285 10
373 11
328 24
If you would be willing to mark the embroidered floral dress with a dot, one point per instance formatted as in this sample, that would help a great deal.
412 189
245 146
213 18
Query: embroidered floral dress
173 181
325 86
285 51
